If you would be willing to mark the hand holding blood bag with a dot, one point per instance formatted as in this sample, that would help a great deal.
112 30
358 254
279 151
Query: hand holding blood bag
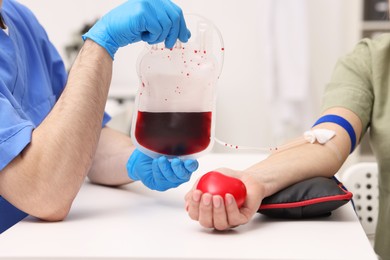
175 103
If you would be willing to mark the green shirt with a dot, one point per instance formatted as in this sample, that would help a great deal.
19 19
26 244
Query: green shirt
360 83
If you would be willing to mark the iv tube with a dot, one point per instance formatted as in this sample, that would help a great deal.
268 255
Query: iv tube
321 136
297 142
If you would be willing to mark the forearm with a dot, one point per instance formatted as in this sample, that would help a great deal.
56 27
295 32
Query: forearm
287 167
44 179
307 160
112 154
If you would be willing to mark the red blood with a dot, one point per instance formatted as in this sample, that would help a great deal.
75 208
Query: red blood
217 183
178 133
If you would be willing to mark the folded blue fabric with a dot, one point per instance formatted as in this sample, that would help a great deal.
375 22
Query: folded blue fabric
9 215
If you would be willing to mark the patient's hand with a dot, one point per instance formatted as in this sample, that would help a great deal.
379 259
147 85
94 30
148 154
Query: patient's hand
223 213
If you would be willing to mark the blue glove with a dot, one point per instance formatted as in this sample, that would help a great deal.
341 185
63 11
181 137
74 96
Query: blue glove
159 173
152 21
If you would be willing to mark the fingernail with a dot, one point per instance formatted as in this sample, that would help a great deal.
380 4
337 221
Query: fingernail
229 199
216 202
206 199
196 196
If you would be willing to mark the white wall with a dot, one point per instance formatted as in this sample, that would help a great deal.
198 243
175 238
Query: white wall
243 114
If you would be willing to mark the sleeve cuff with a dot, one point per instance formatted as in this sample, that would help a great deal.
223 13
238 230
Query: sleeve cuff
11 147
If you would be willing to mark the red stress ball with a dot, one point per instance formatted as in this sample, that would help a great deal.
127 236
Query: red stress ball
217 183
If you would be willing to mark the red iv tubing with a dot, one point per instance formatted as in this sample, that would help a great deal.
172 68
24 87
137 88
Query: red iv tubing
296 142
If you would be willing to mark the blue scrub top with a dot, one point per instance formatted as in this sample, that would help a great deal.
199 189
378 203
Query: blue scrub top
32 77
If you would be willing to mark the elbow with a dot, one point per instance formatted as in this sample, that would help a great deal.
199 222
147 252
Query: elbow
50 203
54 214
50 209
41 188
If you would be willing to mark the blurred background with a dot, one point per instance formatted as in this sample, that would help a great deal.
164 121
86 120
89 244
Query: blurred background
279 56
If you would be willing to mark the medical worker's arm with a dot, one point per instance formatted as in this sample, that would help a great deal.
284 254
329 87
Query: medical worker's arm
44 179
109 163
278 171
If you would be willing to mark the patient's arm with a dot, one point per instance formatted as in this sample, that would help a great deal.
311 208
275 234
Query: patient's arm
280 170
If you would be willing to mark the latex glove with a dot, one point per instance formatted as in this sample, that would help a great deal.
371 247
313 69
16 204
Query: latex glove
152 21
159 173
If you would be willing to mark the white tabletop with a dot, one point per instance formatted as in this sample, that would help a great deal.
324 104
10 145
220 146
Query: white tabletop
133 222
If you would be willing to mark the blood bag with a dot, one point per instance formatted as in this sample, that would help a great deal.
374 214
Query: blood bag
174 111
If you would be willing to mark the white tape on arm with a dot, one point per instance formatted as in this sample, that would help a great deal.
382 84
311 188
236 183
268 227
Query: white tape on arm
323 136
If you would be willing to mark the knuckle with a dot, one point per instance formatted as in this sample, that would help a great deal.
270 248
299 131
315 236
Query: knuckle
180 12
168 23
175 18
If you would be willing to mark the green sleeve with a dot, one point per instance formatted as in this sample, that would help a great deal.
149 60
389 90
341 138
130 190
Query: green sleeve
351 84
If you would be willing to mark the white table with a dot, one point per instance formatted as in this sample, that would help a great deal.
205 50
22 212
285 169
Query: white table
133 222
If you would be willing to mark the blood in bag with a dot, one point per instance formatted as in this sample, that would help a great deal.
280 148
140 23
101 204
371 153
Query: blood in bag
178 133
175 102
